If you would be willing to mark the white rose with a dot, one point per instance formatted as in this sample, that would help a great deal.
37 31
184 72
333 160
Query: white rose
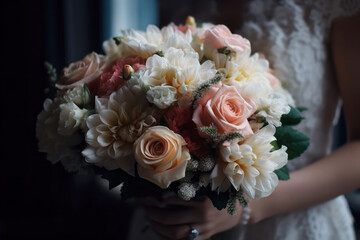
71 118
74 95
161 96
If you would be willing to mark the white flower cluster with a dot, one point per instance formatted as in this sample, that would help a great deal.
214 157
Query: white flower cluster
59 129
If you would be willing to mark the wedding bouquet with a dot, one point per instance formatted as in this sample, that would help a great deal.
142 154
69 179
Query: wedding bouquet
183 109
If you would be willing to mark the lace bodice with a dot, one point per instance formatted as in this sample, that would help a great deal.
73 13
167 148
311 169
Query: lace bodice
294 36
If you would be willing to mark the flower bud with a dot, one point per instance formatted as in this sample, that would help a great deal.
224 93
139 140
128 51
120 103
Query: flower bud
127 72
190 21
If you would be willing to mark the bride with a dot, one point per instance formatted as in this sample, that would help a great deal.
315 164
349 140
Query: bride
313 47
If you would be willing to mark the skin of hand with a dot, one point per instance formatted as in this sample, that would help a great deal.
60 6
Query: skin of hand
173 218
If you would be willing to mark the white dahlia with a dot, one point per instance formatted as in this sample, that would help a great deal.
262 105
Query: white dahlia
119 121
250 165
146 43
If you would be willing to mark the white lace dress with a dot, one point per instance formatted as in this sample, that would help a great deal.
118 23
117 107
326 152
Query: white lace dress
294 36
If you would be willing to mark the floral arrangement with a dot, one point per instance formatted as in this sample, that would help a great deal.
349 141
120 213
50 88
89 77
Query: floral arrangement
183 109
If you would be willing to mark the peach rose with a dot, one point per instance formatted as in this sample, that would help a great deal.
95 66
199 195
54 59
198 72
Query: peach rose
224 108
161 155
220 36
81 72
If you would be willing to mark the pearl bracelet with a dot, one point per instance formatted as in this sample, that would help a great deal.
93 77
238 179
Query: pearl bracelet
245 215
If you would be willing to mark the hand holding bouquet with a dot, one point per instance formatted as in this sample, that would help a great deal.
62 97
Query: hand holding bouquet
181 109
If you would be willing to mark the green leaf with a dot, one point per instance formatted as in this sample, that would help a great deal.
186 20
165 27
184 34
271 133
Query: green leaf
159 53
219 200
295 141
85 95
292 118
115 177
283 173
224 50
117 40
301 109
51 71
275 145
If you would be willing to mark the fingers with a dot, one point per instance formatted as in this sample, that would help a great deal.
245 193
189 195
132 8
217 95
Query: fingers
152 202
180 232
171 216
174 200
175 214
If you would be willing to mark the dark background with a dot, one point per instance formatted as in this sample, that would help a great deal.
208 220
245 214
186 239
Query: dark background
38 199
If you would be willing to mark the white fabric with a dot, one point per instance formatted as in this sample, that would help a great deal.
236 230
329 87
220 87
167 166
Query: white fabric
294 36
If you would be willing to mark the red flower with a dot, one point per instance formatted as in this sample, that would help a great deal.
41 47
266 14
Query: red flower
110 79
179 119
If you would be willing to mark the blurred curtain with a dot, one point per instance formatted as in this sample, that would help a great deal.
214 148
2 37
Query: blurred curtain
39 199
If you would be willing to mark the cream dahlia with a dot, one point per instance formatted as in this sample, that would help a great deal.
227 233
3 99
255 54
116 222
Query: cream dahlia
250 165
119 121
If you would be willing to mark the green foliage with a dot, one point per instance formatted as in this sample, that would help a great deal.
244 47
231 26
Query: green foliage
301 109
212 132
294 117
295 141
117 40
231 136
205 86
160 53
275 145
224 50
85 95
283 173
219 200
51 71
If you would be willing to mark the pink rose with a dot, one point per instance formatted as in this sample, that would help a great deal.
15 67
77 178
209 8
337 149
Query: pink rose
81 72
220 36
224 108
110 79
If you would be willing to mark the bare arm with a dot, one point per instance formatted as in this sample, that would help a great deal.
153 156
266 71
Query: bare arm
338 173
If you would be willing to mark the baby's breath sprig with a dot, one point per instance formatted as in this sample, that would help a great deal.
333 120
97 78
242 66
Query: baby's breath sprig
212 132
205 86
242 200
231 136
233 197
218 138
